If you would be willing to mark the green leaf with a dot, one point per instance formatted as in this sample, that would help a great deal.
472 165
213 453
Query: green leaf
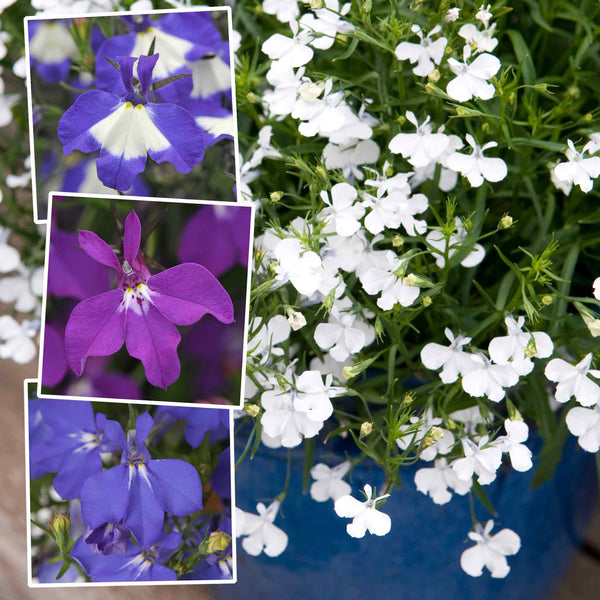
550 456
309 453
523 56
349 51
483 498
63 569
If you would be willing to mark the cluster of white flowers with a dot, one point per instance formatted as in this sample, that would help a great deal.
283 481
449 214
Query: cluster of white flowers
21 286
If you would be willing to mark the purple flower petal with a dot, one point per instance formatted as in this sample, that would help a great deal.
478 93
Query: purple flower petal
176 485
153 339
158 572
145 67
126 71
196 27
104 496
145 515
96 327
168 546
189 291
95 247
71 272
74 126
185 137
55 362
221 477
132 237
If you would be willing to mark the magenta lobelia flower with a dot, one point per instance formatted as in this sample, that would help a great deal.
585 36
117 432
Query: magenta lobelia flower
143 309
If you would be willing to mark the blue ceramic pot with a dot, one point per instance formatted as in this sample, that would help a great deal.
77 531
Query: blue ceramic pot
420 558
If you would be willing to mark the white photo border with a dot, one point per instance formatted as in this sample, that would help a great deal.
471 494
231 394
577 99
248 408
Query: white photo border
162 11
248 205
37 584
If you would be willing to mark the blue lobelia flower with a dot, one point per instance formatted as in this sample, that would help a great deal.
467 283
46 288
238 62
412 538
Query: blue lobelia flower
73 448
108 538
51 48
128 128
140 489
138 563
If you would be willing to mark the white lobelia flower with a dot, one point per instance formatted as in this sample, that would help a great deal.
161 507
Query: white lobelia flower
10 258
286 82
480 459
385 184
425 53
471 418
518 347
353 127
262 345
345 333
326 23
329 366
365 516
574 380
564 186
475 166
24 289
344 253
16 338
484 15
264 150
488 379
284 10
453 359
320 116
483 40
452 15
584 423
439 242
395 210
302 268
422 147
390 281
471 79
342 214
349 157
490 551
329 482
296 410
578 169
292 51
437 481
517 433
260 533
442 445
596 286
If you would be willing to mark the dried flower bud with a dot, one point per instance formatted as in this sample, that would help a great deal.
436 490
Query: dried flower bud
365 429
218 541
296 319
397 241
436 433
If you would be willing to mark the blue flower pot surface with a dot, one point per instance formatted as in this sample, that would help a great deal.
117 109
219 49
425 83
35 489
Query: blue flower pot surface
420 558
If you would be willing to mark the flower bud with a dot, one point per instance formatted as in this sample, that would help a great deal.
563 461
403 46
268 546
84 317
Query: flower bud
350 371
505 222
252 97
434 76
411 279
316 4
296 319
547 300
436 433
389 172
397 241
407 400
252 409
365 429
366 7
531 348
427 301
450 424
588 117
275 197
573 92
61 525
461 111
427 441
217 542
401 120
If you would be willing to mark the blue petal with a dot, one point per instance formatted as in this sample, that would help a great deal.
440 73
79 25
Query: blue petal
146 65
76 468
176 485
185 137
114 433
197 28
107 77
168 546
105 496
143 425
145 515
118 173
160 573
74 126
67 416
126 71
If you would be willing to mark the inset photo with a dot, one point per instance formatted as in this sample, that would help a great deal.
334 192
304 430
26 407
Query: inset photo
146 300
133 103
128 493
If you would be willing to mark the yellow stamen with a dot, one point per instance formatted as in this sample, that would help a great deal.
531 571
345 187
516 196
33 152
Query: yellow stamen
139 106
128 104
